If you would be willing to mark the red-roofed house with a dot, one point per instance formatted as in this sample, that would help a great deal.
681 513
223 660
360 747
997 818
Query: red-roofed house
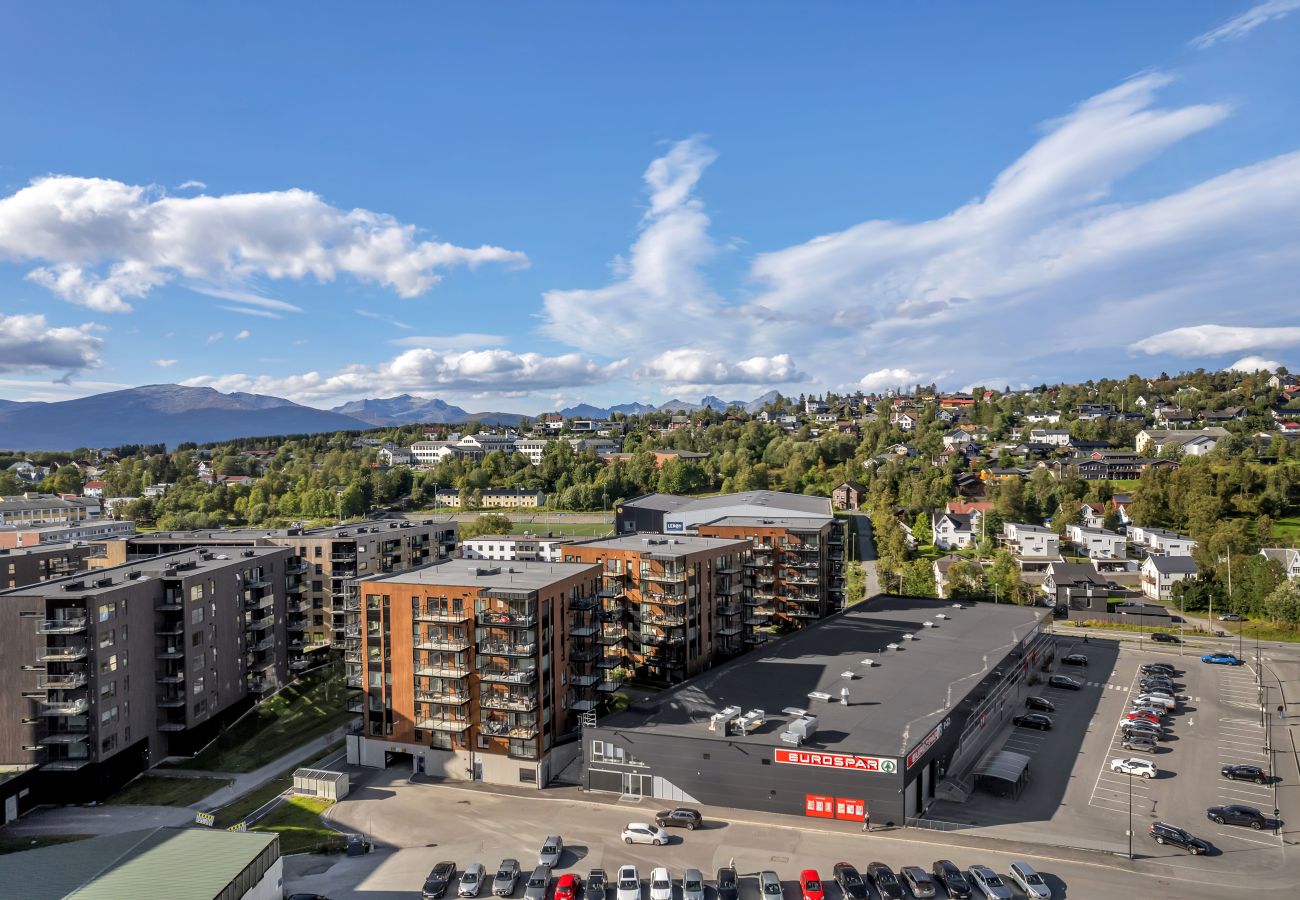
94 489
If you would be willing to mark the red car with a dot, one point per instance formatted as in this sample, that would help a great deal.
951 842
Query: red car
810 885
569 887
1142 717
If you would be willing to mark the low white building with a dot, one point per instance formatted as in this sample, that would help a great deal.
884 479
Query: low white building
527 547
395 456
1287 556
1154 441
1161 542
533 448
1031 540
1056 437
1097 543
1161 573
952 531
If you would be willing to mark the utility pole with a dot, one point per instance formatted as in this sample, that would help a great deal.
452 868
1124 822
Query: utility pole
1130 815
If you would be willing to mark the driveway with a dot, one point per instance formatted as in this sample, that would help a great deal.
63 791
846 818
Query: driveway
866 554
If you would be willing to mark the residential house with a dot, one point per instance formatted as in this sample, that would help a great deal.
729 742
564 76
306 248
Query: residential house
1281 382
157 490
1056 437
1161 573
952 531
395 456
956 438
1062 576
94 488
848 495
905 421
1097 543
1288 557
1031 540
1044 418
1159 542
1155 441
552 422
1175 418
1093 515
533 448
1225 415
510 498
511 547
940 568
234 481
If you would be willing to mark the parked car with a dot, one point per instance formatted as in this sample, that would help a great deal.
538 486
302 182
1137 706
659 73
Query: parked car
1229 617
1144 768
1161 637
1139 728
503 885
1160 685
1143 715
597 885
1158 701
644 833
1074 659
953 879
918 881
568 887
552 850
1035 888
538 882
989 883
1152 667
725 884
692 885
435 886
681 817
1040 703
810 885
629 884
1236 815
1164 833
886 882
851 884
1140 744
471 881
1064 682
661 884
1033 720
769 884
1244 773
1221 659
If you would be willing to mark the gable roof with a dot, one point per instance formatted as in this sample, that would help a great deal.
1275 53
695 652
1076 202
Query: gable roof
1173 565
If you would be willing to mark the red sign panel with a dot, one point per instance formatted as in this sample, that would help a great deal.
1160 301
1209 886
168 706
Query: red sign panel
850 808
884 765
927 742
819 806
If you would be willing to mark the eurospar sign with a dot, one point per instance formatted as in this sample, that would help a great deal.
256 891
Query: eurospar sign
884 766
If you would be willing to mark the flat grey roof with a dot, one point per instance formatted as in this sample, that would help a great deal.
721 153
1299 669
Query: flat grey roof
665 544
42 549
661 502
812 523
236 535
153 567
892 704
514 574
817 506
554 538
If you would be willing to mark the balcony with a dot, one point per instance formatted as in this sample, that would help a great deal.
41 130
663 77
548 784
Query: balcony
296 566
729 609
731 568
505 619
734 588
454 698
665 577
500 675
76 707
611 636
608 687
263 644
610 592
513 702
442 671
442 615
171 678
258 686
585 680
171 702
63 682
170 630
443 723
260 624
264 602
660 619
62 626
170 653
172 602
729 630
344 556
583 604
497 728
665 599
299 588
450 644
65 764
505 648
582 631
582 654
63 738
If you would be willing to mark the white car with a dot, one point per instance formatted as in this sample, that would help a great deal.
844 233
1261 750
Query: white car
1157 701
1133 766
644 833
471 881
661 884
692 885
1023 874
629 884
989 883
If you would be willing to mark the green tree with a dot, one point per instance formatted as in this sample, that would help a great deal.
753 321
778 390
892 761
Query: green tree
488 523
921 529
918 578
1283 604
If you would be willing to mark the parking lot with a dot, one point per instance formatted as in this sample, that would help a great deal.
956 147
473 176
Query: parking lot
1075 796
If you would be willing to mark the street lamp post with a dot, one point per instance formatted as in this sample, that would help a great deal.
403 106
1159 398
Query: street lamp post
1130 815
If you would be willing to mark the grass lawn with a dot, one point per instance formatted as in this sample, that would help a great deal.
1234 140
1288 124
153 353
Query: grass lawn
245 806
297 820
312 706
1287 529
579 529
18 844
152 790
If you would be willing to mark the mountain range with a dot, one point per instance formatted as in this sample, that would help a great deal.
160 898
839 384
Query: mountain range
172 414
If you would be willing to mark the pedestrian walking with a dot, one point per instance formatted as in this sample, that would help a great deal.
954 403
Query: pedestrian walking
866 822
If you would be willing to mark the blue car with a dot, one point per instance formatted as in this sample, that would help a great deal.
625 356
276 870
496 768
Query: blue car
1221 659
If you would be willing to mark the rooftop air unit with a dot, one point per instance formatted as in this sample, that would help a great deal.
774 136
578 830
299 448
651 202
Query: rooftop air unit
800 730
723 718
750 721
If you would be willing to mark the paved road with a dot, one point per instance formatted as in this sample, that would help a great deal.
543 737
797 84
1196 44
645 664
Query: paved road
423 823
866 553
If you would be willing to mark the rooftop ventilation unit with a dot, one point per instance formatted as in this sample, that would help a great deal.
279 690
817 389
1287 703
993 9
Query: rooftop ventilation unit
800 730
723 718
868 662
909 637
942 616
958 606
794 711
927 624
844 696
750 721
891 646
818 695
849 675
75 586
103 582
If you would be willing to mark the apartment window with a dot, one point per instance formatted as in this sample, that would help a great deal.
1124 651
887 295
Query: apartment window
198 685
197 662
200 707
440 741
108 715
106 638
106 612
109 664
317 554
196 615
108 689
196 638
108 744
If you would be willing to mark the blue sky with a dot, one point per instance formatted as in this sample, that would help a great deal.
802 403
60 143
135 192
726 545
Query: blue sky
517 206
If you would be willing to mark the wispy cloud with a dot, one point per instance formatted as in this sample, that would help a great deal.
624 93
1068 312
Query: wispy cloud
466 341
1244 24
1254 364
247 298
243 335
164 363
699 368
371 314
215 336
192 185
249 311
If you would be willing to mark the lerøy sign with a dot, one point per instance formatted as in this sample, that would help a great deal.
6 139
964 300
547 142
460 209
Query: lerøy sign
884 766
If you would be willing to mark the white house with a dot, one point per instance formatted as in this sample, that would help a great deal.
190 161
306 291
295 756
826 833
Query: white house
956 438
1287 556
905 421
1046 418
1097 543
526 547
1161 573
1154 441
1031 540
395 456
533 448
1161 542
952 531
1093 515
430 453
1056 437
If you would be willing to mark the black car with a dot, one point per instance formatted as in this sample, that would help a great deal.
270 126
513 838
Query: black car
681 817
1144 729
953 879
307 897
850 882
726 884
1161 638
1236 815
443 874
1156 681
886 882
597 885
1244 773
1040 703
1033 720
1158 669
1164 833
1064 681
1074 659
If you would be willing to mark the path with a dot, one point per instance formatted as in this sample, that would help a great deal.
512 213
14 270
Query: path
866 554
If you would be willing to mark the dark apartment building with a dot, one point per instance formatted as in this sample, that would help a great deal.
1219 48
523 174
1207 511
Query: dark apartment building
28 565
475 668
323 612
670 605
113 670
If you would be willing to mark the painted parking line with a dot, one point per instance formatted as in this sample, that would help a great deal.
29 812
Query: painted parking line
1237 837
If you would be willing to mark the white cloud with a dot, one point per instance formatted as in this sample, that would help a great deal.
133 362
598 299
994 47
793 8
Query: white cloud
467 339
1244 24
101 243
192 185
245 298
497 372
371 314
243 335
28 344
883 379
701 368
659 294
164 363
1212 340
249 311
1254 364
215 336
